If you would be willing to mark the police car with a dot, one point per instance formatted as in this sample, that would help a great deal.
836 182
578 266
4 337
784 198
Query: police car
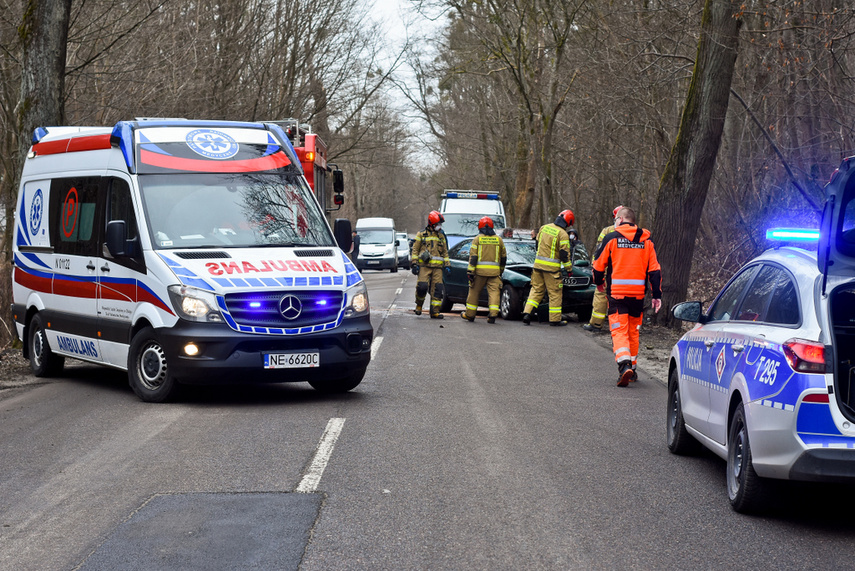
766 379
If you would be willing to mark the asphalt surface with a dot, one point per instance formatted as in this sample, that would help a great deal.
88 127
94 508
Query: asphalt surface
467 446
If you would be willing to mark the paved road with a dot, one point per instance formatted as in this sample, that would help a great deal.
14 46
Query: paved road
468 446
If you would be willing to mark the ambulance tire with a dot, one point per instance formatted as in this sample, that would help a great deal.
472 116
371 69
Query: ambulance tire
148 371
746 490
342 385
510 305
679 440
43 361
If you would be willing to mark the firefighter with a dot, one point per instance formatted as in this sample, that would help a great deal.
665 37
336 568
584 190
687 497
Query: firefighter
623 264
429 257
554 258
599 305
487 259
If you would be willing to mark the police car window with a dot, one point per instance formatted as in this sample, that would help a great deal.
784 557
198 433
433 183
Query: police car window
753 307
784 305
72 211
724 307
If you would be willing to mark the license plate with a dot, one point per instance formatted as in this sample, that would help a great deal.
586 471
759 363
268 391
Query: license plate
573 281
291 360
374 262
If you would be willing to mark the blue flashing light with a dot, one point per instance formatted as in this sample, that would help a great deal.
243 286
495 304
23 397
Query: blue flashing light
321 302
123 135
482 195
255 304
38 134
797 234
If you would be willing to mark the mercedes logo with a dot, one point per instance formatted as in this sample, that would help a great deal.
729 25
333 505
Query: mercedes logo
290 307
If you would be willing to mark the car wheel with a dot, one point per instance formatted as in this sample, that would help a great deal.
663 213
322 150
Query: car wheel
678 438
43 361
745 489
509 303
332 386
446 305
148 369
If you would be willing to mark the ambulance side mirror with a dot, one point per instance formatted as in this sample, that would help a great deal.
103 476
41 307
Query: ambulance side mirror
343 232
338 181
117 243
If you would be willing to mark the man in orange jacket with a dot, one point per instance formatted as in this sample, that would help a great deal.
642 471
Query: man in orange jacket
623 264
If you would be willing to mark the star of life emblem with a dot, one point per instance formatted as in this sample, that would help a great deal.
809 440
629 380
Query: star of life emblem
36 209
212 144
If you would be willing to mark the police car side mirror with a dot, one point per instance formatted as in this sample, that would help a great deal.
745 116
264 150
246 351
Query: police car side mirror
687 311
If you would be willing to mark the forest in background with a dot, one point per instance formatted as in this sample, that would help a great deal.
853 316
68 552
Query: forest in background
553 103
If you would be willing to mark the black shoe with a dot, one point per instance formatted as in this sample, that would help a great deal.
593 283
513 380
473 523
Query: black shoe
437 316
491 320
625 372
417 311
469 319
561 323
526 319
634 376
592 328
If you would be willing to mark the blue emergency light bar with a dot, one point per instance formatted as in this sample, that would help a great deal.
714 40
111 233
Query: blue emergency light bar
487 195
799 234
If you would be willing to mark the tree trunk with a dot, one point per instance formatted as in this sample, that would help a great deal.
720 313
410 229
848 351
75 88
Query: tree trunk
685 182
43 34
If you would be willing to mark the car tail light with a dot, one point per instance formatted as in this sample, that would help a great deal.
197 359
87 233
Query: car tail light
816 397
805 356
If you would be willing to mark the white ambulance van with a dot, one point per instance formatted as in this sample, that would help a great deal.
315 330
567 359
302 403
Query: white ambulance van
184 252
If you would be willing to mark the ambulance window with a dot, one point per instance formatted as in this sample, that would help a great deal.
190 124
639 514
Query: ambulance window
73 204
725 305
120 206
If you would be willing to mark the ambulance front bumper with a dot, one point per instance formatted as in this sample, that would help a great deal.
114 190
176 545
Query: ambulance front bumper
228 356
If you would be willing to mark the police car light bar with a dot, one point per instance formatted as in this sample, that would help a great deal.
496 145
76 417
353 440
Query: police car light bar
801 234
486 195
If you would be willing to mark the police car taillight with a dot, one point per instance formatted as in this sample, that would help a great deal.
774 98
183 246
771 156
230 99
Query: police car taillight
805 356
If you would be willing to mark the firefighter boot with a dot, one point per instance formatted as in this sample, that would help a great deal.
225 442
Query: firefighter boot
491 319
417 310
625 372
466 317
526 319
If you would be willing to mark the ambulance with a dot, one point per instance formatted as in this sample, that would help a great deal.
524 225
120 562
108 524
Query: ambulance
184 252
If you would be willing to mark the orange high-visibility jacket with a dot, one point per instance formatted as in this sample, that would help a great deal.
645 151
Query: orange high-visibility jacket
626 261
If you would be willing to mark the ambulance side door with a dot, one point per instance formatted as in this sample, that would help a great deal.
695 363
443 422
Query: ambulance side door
118 277
73 325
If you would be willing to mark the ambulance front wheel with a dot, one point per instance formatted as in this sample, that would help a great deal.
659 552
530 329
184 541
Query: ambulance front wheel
43 361
148 370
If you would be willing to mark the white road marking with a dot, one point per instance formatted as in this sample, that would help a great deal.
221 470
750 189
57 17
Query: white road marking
399 290
374 346
312 478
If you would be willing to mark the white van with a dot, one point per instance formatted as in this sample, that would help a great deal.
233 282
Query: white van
462 209
378 246
183 252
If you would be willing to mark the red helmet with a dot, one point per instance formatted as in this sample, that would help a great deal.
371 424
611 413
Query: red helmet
485 221
568 217
435 218
615 211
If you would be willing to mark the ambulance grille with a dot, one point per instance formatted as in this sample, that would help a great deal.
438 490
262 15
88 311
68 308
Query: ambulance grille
313 253
202 255
264 309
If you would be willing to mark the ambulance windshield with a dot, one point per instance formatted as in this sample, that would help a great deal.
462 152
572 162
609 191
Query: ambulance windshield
239 210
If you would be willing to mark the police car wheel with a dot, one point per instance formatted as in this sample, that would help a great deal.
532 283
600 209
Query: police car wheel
745 489
43 361
679 440
148 370
331 386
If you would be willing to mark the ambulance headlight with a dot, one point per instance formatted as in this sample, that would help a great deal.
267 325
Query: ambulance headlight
195 304
357 300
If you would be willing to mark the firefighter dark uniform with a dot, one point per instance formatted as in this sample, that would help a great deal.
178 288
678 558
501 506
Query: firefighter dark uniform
626 262
487 259
553 255
429 257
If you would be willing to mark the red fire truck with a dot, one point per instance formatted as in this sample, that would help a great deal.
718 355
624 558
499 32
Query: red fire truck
312 152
